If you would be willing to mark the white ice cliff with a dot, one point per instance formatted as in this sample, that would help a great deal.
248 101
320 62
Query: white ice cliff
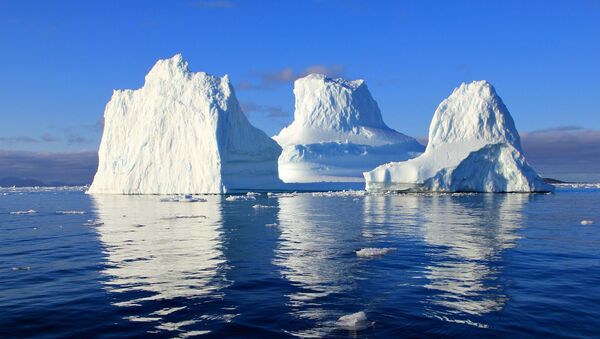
473 147
337 133
182 132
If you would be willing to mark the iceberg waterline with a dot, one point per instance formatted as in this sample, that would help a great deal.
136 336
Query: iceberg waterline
185 133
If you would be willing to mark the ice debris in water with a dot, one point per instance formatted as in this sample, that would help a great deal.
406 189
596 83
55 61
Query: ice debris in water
24 212
354 322
183 198
240 197
258 206
21 268
371 252
92 222
70 212
272 225
348 193
252 194
587 222
281 195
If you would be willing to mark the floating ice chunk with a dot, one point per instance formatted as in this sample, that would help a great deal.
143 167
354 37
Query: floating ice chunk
371 252
24 212
92 222
252 194
21 268
587 222
240 197
70 212
183 198
263 206
272 225
354 322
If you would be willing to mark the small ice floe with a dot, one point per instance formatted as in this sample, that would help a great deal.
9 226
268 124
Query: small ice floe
272 225
354 322
24 212
252 194
258 206
240 197
183 198
587 222
371 252
281 195
344 193
70 212
21 268
92 222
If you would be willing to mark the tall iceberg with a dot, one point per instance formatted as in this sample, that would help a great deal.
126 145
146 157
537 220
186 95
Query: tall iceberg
337 133
182 132
473 146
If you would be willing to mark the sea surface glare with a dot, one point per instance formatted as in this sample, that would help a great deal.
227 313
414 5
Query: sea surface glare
282 265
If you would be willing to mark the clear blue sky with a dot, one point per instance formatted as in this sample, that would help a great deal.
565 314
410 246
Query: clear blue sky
60 60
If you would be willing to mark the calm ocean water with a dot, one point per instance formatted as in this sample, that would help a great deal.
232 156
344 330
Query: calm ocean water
513 265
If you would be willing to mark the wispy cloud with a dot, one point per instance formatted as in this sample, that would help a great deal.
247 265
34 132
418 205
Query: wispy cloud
250 107
18 140
47 137
222 4
70 168
566 152
286 75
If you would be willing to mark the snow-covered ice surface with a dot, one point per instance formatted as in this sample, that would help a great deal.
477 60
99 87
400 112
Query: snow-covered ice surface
337 133
473 146
182 132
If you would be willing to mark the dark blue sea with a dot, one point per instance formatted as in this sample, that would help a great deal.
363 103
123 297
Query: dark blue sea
285 265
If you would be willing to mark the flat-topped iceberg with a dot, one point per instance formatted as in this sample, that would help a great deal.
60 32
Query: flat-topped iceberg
337 133
182 133
473 146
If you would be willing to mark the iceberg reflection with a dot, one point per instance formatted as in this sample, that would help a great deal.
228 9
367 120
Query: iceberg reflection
315 254
166 251
466 238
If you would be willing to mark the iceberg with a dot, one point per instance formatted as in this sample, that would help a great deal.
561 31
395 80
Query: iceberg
182 133
337 133
473 146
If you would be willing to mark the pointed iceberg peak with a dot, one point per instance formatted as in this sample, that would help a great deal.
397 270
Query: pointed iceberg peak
174 67
473 113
